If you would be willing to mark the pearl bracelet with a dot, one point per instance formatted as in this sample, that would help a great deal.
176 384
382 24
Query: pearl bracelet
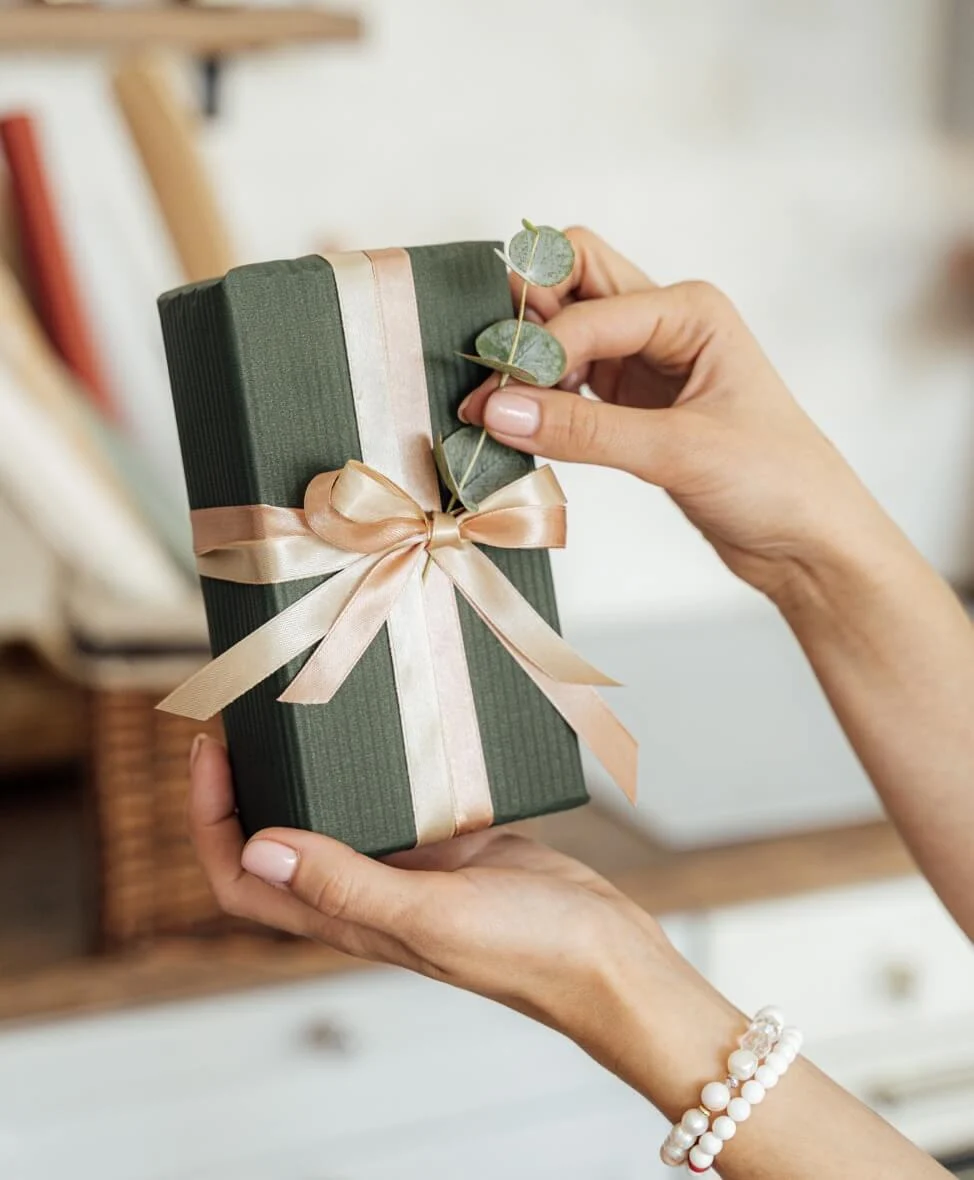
764 1054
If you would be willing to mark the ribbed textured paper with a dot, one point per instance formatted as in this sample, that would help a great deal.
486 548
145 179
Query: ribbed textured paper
263 403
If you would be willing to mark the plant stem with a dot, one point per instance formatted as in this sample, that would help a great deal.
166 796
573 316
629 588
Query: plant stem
505 377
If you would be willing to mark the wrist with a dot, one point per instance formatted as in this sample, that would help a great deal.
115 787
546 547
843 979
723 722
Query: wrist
842 570
658 1025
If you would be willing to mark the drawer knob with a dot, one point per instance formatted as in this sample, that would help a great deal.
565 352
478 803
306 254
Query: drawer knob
901 982
325 1036
900 1091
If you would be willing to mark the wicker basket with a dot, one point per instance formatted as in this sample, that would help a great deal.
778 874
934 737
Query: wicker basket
150 881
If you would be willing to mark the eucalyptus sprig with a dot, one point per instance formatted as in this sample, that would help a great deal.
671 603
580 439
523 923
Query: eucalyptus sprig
471 463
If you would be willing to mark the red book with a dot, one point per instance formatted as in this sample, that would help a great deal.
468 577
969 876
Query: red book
46 263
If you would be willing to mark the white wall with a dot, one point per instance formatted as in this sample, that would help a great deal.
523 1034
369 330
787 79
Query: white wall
786 150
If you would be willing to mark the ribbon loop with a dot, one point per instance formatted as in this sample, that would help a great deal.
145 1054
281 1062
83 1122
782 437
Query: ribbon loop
359 511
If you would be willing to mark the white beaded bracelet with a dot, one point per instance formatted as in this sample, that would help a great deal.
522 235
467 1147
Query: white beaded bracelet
765 1052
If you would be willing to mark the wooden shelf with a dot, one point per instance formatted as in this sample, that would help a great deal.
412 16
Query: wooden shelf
198 30
662 880
171 969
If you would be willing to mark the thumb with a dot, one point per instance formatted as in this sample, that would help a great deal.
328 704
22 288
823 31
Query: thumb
334 879
561 425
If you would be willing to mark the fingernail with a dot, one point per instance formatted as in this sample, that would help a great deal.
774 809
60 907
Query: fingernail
462 408
272 862
194 750
512 414
570 380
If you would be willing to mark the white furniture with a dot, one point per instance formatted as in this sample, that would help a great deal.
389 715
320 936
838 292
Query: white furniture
380 1075
359 1077
882 983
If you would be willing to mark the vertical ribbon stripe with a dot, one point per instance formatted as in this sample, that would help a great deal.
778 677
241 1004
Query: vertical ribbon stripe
371 369
410 401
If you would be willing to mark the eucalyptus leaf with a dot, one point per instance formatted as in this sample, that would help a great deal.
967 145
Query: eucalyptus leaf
500 367
496 465
539 357
541 255
443 467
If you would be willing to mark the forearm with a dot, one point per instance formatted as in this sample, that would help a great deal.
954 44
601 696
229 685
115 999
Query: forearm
894 652
668 1038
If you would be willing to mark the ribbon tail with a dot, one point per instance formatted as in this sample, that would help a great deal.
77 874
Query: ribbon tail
259 654
557 671
353 628
592 719
595 723
510 615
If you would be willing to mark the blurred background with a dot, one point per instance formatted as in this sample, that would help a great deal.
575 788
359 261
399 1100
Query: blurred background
816 159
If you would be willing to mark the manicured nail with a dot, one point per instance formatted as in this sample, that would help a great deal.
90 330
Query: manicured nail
512 414
571 380
194 750
272 862
462 408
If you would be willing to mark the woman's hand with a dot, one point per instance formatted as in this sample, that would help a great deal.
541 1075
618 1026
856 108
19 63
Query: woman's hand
492 912
512 920
688 401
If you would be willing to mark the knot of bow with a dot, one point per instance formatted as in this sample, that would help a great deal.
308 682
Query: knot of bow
358 510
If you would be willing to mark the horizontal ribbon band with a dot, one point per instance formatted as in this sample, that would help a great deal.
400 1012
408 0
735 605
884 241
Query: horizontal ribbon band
372 535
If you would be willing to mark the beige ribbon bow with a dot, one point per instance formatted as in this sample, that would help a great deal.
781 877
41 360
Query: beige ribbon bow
372 536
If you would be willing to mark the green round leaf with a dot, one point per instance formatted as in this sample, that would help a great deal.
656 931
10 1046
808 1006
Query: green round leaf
541 255
494 465
538 360
500 367
443 467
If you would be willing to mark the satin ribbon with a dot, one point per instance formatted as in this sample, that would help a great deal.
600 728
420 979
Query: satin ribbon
371 535
449 786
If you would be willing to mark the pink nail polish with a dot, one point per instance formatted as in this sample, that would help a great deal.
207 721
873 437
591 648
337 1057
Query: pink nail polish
272 862
461 409
512 414
194 750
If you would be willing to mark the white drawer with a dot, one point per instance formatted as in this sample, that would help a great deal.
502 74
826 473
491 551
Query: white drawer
921 1080
582 1137
845 962
181 1089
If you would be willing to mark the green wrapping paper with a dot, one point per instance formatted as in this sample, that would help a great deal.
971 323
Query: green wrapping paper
263 400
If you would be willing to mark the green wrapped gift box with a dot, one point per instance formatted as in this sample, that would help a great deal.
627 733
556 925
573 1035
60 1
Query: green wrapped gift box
263 388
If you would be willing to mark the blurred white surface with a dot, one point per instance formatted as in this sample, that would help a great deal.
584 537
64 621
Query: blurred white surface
364 1076
382 1075
788 151
881 981
736 738
28 577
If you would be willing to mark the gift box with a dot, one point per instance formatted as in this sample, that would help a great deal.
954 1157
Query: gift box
282 373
